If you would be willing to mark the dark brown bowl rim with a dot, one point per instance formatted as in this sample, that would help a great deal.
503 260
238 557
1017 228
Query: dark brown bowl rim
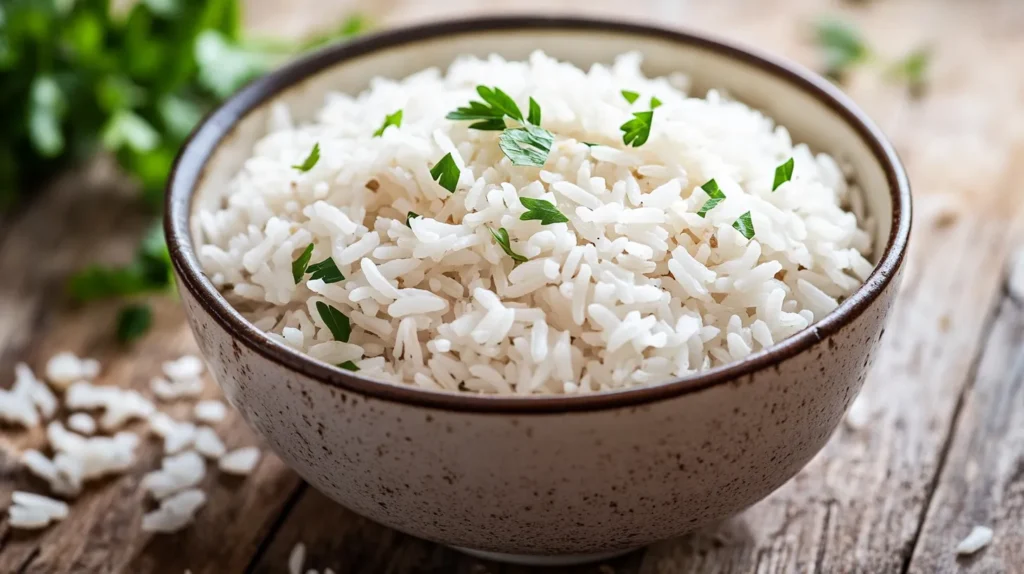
191 162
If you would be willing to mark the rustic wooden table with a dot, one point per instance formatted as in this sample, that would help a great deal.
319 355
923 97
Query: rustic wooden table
943 448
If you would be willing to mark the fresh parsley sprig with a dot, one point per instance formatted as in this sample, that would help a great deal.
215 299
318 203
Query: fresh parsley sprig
541 210
311 159
446 173
327 271
783 173
394 119
528 145
335 320
744 225
715 196
629 95
842 47
636 131
301 263
501 238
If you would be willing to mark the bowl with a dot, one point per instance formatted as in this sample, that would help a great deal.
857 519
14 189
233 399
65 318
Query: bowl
550 479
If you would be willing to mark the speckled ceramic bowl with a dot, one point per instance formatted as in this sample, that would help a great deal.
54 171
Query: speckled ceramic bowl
547 479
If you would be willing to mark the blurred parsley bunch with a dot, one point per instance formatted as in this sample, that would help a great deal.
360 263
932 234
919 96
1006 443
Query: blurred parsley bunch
76 77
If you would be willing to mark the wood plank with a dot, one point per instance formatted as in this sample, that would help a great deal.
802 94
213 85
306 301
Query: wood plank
982 482
100 221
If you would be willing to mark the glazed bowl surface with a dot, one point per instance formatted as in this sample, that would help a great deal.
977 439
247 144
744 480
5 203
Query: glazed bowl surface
547 476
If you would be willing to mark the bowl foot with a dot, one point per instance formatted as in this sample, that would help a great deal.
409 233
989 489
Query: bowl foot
541 560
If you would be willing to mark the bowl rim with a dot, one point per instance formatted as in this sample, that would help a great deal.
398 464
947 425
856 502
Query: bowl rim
190 164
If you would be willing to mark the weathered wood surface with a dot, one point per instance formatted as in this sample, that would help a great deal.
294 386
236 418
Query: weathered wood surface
942 452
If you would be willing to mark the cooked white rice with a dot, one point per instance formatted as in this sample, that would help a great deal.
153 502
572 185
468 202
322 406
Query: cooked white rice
240 461
209 412
31 511
635 289
979 537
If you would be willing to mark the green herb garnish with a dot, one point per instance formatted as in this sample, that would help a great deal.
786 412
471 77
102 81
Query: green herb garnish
300 263
411 215
394 119
630 96
335 320
149 272
655 102
446 173
349 366
715 196
311 159
526 146
491 112
132 322
541 210
590 144
783 173
534 116
913 69
326 270
501 237
842 47
744 225
636 131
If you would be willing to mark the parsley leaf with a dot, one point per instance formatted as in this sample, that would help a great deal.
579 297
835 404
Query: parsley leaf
542 210
446 173
655 102
411 215
300 263
528 145
349 366
326 270
590 144
335 320
311 159
841 45
744 225
913 69
501 237
714 193
636 131
491 112
783 173
534 115
630 96
132 322
394 119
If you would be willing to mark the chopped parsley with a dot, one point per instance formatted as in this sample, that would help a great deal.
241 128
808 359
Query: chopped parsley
326 270
541 210
534 116
783 173
655 102
636 131
526 146
446 173
590 144
394 119
349 366
630 96
311 159
501 237
490 113
411 215
744 225
715 196
335 320
841 45
300 264
132 322
913 69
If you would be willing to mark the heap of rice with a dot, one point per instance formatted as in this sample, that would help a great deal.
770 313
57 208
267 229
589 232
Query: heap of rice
635 288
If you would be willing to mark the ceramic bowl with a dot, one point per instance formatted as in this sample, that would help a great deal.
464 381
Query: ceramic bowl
547 479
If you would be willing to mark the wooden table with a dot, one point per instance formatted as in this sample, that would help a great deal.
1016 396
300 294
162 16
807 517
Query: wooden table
942 450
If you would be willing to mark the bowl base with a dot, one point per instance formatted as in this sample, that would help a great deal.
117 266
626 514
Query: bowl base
542 560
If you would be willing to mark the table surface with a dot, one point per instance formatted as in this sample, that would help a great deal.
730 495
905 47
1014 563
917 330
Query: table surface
943 448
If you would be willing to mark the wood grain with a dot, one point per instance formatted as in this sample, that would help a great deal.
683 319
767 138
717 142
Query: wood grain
941 452
100 219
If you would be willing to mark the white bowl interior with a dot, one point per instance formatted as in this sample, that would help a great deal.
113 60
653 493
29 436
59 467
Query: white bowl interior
808 118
